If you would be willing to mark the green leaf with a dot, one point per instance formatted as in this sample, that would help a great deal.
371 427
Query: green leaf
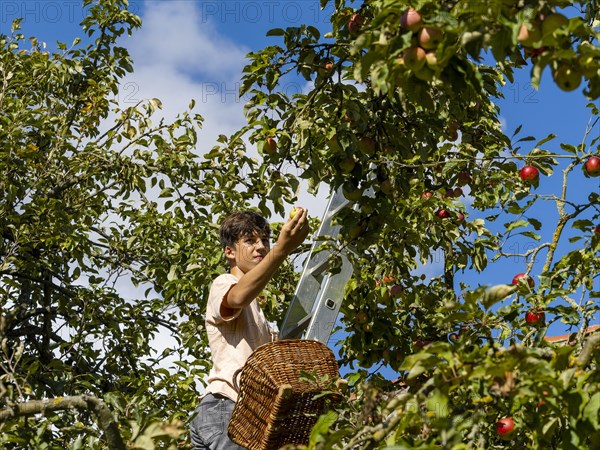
590 411
516 224
276 32
322 427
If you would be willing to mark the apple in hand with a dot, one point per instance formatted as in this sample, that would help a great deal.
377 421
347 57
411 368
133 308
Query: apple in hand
521 278
529 174
535 317
295 210
505 426
592 166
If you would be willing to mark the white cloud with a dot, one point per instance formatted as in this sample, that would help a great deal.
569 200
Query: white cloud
178 57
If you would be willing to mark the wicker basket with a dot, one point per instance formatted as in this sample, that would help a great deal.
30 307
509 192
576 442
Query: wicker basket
274 407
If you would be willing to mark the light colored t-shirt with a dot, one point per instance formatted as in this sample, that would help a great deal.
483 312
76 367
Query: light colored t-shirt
231 340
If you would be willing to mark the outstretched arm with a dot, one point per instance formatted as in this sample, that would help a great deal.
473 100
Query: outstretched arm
254 281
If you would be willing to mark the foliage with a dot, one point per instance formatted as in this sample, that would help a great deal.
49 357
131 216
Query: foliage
406 140
97 204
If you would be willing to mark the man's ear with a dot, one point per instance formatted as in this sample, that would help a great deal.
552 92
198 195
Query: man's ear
229 253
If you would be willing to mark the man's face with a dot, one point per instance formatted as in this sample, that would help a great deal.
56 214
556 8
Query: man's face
248 251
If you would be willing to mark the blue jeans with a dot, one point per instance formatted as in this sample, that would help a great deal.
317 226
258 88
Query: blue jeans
208 429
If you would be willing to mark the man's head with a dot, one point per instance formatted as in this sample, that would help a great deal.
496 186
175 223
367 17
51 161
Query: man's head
245 238
243 224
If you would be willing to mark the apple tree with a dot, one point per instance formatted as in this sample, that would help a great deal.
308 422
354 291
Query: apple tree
108 241
401 114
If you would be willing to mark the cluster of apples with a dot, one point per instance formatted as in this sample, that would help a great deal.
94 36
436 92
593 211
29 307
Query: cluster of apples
443 213
421 57
537 35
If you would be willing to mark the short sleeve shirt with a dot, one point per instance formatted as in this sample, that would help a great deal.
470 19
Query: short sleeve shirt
232 340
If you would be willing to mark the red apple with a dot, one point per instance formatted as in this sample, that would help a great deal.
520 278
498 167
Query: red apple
460 217
270 146
505 426
535 317
426 195
442 213
597 229
411 20
414 58
355 24
429 38
592 166
529 174
396 290
521 278
463 178
453 337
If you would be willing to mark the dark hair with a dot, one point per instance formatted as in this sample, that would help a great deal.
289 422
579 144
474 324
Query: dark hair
242 224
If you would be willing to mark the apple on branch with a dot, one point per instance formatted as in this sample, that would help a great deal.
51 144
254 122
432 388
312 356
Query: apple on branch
553 22
529 34
592 166
523 278
535 318
505 426
442 214
567 76
430 38
326 70
411 20
530 175
355 24
270 146
414 58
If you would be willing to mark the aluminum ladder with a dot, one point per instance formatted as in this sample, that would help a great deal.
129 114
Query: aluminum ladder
318 297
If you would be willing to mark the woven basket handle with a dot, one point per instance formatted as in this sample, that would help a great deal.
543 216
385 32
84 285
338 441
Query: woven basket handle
235 379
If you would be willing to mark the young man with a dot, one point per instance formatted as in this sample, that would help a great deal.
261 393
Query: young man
235 323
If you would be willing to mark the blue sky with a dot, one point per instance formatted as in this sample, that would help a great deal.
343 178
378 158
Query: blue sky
195 49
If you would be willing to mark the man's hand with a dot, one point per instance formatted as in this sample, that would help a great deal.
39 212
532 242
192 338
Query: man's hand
293 233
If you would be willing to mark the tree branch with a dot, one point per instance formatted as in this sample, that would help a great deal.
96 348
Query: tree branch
103 414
